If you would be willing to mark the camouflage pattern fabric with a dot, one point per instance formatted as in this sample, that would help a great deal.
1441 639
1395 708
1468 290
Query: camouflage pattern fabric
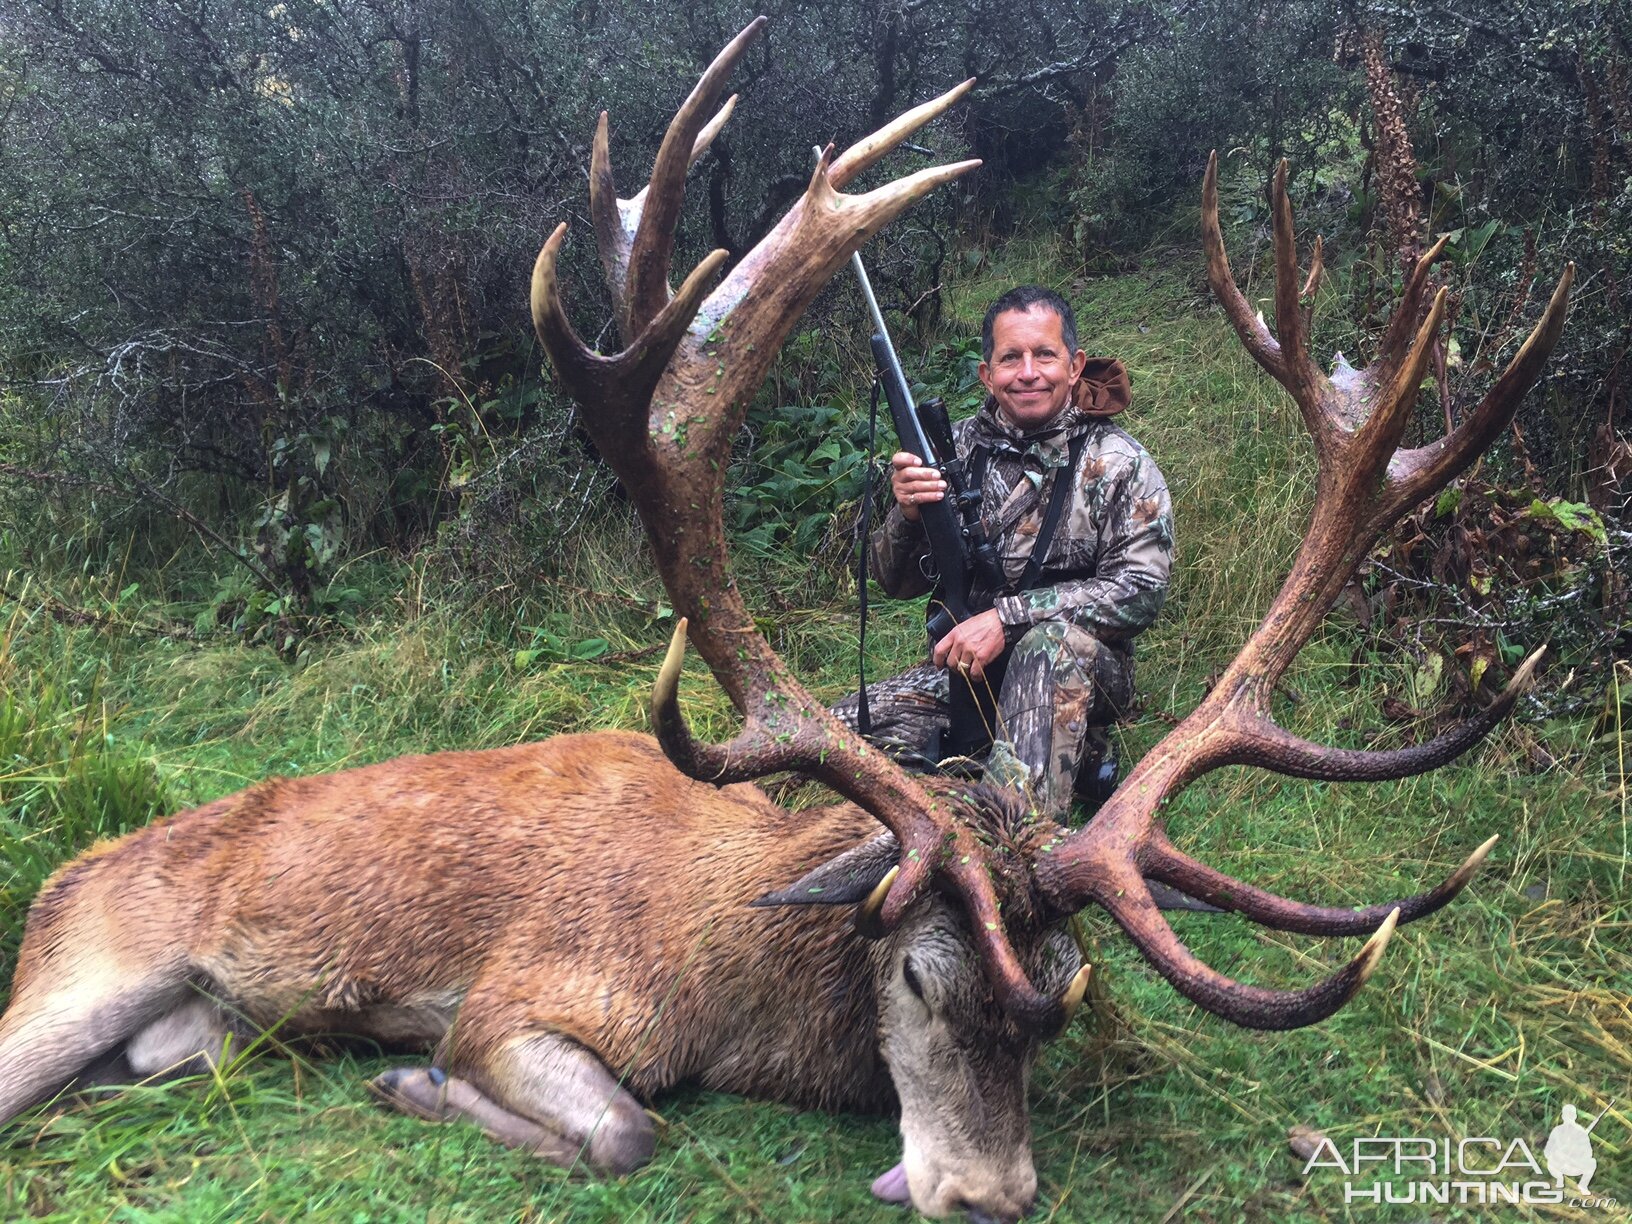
1061 688
1071 636
1108 563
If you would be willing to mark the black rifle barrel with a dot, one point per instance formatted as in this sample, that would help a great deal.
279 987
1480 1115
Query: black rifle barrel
949 536
940 519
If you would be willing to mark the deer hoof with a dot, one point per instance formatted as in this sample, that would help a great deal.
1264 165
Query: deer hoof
416 1091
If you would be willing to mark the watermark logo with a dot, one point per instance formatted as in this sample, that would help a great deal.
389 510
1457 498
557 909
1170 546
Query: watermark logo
1421 1170
1569 1150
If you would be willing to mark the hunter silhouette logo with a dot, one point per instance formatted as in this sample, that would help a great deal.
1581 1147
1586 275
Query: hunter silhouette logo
1569 1149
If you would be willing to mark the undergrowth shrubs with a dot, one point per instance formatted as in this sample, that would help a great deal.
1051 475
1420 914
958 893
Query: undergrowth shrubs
1470 584
806 467
800 483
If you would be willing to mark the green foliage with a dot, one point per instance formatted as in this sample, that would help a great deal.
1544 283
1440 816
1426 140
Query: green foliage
1469 586
67 777
298 529
1570 517
291 306
242 606
556 641
1483 1020
1236 77
291 312
801 481
804 472
951 370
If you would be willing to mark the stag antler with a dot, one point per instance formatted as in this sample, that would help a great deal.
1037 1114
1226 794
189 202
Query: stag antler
663 412
1356 418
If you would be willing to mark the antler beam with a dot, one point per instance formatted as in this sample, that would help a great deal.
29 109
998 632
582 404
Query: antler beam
1356 419
663 412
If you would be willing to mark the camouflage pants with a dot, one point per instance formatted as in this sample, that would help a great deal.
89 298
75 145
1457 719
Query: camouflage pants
1061 689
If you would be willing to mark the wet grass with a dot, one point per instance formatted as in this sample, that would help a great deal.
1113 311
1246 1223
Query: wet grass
1483 1020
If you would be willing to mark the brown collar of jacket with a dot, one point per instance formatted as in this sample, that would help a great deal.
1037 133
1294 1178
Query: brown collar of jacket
1103 391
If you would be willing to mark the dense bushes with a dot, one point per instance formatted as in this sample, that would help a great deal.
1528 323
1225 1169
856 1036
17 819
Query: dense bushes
266 263
261 268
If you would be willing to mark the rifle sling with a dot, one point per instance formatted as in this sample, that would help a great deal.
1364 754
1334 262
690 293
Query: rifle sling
1059 493
864 716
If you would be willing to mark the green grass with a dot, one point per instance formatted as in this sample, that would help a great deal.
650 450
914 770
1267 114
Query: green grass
1483 1020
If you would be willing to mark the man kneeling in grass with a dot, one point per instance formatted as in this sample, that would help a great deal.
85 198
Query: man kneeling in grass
1081 520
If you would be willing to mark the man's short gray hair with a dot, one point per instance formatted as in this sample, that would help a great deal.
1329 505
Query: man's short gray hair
1024 297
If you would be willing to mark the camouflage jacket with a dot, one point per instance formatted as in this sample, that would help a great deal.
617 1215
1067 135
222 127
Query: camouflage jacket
1107 565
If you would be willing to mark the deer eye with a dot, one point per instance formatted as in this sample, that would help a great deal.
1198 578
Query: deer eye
910 977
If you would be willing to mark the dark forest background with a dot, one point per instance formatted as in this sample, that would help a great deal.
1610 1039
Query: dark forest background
262 267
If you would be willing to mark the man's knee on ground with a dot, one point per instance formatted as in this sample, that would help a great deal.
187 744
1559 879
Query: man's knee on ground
1062 645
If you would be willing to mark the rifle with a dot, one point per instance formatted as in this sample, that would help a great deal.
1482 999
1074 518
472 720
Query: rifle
964 557
965 561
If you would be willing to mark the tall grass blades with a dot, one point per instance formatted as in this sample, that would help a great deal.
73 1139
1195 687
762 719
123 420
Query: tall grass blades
65 781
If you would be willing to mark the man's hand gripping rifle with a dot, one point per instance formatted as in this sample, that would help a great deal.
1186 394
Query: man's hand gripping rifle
965 561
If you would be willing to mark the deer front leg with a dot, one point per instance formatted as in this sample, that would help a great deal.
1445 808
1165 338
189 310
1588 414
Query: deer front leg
541 1092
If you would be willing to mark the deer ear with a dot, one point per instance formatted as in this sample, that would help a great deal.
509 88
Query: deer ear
844 879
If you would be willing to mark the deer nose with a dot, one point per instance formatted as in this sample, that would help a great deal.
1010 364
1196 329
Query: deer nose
980 1215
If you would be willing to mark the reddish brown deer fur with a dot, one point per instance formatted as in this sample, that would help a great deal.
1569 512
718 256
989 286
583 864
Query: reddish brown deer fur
538 913
557 916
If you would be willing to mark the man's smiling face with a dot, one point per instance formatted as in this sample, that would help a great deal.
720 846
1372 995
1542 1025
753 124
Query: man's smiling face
1031 372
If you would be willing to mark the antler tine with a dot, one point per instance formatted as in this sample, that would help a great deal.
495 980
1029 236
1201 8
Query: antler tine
1248 324
1301 378
616 219
613 229
1364 484
1311 285
611 389
1379 434
1162 861
784 273
1409 311
1263 743
867 151
762 748
586 374
647 288
1249 1006
1286 354
1418 473
712 129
